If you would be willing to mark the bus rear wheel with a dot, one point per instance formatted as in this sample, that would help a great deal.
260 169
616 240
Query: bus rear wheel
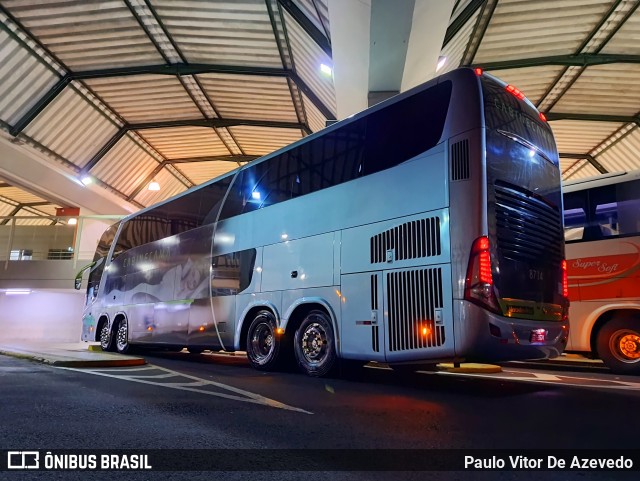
314 345
122 337
106 339
263 345
619 345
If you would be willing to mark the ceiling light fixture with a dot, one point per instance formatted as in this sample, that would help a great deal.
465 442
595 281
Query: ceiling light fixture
86 180
72 221
153 185
326 70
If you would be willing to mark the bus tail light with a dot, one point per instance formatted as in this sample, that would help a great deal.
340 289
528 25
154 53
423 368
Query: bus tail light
479 282
565 280
515 92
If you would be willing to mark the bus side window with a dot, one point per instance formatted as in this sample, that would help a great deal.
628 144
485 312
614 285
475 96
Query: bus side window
628 203
575 216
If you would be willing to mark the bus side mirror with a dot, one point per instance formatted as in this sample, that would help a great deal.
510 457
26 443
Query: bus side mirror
77 283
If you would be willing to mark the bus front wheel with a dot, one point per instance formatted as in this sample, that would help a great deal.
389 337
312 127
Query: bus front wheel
122 336
314 345
263 345
619 345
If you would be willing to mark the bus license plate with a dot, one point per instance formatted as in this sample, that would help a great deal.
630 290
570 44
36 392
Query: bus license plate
538 335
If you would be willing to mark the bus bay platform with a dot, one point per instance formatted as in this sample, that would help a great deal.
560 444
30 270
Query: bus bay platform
78 354
83 354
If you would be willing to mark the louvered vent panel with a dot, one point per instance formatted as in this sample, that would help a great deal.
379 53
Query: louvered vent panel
411 240
460 160
527 228
413 297
375 335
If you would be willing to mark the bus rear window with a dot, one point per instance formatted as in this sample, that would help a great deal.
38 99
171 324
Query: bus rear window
505 112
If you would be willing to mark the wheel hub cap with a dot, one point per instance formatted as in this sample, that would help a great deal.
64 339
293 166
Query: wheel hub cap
630 346
314 342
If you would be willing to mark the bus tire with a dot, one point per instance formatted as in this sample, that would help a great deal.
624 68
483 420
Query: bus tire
122 336
314 344
619 345
263 345
106 336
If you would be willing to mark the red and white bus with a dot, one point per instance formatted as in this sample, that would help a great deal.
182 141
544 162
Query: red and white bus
602 234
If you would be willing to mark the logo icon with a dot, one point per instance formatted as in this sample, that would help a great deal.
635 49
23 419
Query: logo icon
23 460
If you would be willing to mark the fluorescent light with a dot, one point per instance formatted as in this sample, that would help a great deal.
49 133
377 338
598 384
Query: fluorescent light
72 221
153 185
86 180
255 195
326 70
17 292
441 62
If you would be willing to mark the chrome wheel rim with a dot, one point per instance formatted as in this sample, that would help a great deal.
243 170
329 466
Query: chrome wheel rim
121 338
625 345
104 337
314 343
262 343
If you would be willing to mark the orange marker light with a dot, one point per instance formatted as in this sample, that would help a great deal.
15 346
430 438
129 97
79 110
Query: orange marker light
201 329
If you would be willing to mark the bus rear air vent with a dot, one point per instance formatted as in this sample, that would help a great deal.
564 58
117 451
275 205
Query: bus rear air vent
460 160
411 240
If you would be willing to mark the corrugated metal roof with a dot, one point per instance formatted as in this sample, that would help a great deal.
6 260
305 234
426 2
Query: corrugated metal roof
125 166
318 12
72 127
169 186
308 57
622 155
185 142
532 28
228 33
581 137
599 89
260 141
455 49
146 98
578 169
200 172
317 121
532 81
239 97
86 35
23 75
19 196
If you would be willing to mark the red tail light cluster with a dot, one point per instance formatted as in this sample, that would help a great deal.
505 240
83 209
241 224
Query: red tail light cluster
565 279
515 92
479 282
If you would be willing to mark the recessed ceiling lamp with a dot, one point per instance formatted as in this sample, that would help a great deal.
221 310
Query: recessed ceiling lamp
17 292
72 221
86 180
153 185
326 70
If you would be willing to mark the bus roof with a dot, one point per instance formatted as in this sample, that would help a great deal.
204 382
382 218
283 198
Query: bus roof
601 180
396 98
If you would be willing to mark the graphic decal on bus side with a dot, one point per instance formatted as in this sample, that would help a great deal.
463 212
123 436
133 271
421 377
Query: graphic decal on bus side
605 276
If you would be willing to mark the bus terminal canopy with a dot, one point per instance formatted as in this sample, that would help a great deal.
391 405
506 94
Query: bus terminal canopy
123 93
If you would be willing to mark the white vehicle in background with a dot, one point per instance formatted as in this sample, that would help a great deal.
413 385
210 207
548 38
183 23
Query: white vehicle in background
602 234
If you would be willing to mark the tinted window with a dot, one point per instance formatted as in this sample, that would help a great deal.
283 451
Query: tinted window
231 273
503 111
377 141
190 211
608 211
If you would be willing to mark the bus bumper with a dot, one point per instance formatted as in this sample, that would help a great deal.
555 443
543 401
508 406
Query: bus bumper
484 336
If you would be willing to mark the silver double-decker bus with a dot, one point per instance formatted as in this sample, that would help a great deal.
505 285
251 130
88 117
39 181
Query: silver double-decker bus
426 228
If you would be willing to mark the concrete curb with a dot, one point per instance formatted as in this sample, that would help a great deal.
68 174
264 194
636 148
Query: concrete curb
63 361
